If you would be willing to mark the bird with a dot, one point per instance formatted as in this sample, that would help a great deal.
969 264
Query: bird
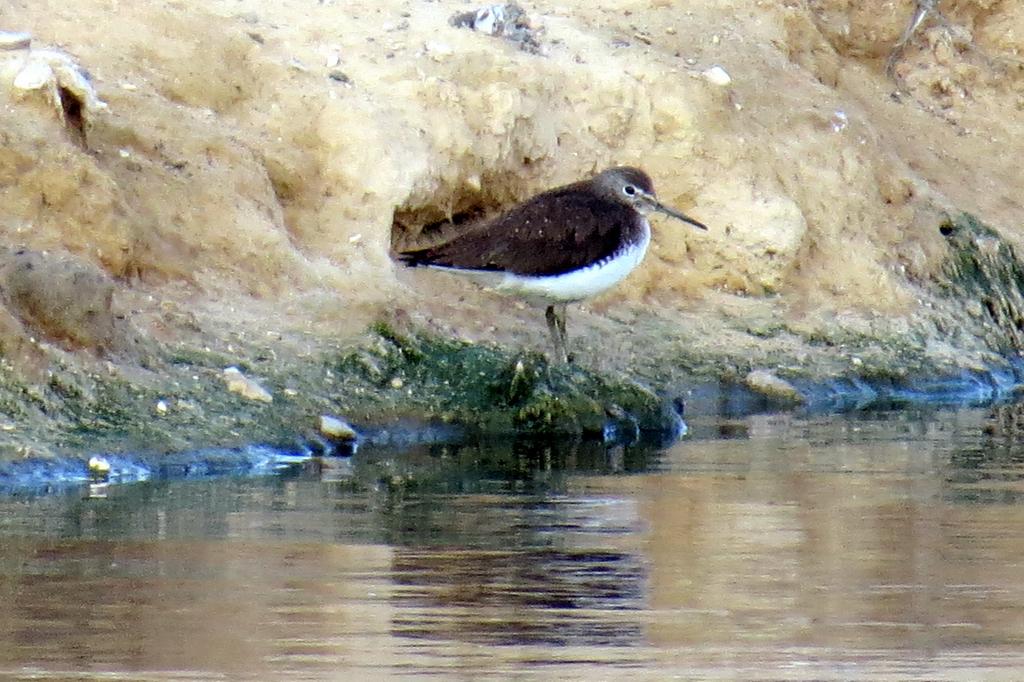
558 247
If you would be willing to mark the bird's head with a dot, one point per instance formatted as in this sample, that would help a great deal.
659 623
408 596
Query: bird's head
633 187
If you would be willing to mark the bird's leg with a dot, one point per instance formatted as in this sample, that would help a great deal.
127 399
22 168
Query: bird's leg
556 325
560 318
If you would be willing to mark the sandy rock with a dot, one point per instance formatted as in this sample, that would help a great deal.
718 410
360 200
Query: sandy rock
862 29
336 429
244 386
761 234
59 78
61 298
58 197
260 178
769 384
479 113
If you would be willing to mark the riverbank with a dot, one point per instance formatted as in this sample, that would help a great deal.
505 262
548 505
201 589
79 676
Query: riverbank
274 442
244 384
197 187
184 415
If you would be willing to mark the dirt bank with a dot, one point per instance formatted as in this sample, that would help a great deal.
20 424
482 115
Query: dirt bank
191 186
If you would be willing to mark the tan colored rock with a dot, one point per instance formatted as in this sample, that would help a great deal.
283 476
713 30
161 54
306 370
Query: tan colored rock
336 429
59 298
58 77
771 385
245 387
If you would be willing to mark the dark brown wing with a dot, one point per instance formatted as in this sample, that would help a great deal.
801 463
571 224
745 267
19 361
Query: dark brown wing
552 233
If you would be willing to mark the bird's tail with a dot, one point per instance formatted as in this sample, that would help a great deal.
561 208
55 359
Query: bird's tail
412 258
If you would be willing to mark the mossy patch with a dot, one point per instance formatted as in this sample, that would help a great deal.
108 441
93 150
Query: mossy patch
982 267
495 389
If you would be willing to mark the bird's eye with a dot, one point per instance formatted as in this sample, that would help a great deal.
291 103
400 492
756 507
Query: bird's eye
630 190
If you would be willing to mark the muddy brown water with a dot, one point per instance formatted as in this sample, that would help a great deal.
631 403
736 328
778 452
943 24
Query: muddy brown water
866 546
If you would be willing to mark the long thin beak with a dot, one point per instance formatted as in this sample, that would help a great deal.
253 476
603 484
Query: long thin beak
655 205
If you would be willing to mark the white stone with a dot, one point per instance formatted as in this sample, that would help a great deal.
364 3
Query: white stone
99 466
52 71
34 76
716 75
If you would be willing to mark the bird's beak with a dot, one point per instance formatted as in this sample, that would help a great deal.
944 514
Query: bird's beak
650 203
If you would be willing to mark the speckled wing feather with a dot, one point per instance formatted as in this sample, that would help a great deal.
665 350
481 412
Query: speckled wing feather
554 232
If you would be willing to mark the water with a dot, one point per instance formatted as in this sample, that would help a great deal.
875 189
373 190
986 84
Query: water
881 546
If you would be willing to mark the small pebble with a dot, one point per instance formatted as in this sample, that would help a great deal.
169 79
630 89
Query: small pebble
337 429
246 387
99 466
839 121
716 75
438 50
332 59
768 383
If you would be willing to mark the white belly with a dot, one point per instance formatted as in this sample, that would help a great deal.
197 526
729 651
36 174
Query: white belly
567 287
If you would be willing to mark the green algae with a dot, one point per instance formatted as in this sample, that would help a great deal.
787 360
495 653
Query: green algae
182 401
495 389
984 269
